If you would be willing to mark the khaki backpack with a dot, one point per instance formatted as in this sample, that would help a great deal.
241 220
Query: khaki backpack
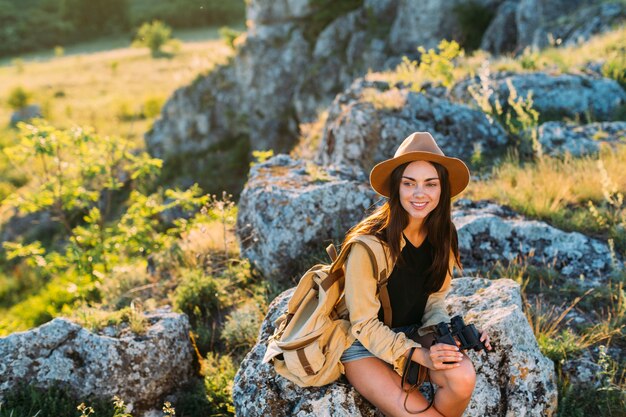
315 331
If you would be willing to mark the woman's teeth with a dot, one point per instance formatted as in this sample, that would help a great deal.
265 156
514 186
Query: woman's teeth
419 205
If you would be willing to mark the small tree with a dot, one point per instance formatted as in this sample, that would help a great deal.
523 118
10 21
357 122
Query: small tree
154 36
19 98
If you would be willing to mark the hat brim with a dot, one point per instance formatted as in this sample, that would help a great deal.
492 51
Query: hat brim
458 173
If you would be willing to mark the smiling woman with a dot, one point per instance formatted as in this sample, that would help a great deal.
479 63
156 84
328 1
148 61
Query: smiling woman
417 237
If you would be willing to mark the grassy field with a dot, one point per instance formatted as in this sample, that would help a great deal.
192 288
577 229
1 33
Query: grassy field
107 84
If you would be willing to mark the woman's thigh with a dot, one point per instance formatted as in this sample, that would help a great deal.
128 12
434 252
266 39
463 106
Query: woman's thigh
380 384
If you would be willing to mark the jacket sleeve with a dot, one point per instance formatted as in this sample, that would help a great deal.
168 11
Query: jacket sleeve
435 310
363 305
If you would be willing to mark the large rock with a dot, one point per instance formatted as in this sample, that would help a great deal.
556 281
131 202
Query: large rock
554 96
140 369
489 233
501 35
429 21
289 208
26 114
557 138
542 22
293 59
513 380
366 124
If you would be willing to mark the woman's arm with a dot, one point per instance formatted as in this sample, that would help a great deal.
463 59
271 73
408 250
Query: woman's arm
363 305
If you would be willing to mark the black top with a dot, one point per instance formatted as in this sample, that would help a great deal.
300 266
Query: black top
406 285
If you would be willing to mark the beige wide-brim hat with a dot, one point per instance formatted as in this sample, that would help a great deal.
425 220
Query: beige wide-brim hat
419 146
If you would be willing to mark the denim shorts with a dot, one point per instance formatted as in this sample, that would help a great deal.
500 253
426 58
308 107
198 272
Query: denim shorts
358 351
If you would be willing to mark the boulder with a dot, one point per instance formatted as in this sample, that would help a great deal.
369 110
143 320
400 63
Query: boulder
489 233
26 114
501 35
428 22
293 59
367 122
140 369
198 117
541 23
558 138
291 209
554 96
515 379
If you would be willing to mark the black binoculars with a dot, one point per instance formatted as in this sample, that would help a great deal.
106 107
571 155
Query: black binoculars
466 334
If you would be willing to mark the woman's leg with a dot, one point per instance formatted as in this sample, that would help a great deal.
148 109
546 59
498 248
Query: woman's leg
380 384
454 388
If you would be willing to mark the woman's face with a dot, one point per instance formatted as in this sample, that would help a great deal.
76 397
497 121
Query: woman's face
420 189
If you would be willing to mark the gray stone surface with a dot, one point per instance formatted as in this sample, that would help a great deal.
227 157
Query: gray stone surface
513 380
501 35
557 138
290 208
26 114
489 233
554 96
367 122
138 368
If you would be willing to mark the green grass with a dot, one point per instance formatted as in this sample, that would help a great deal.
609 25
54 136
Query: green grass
29 401
97 83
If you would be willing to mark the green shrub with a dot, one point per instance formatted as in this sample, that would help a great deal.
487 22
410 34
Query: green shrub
242 327
154 36
229 35
435 66
199 295
219 373
19 98
151 107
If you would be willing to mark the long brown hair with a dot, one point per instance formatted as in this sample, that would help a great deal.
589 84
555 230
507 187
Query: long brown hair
388 222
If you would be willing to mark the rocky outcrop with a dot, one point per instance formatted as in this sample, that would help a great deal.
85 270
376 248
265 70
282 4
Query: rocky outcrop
554 96
557 138
515 379
138 368
366 124
501 35
427 22
489 233
290 210
543 22
298 54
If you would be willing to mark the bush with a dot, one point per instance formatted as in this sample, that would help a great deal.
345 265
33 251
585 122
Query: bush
19 98
199 295
242 327
219 373
229 35
153 36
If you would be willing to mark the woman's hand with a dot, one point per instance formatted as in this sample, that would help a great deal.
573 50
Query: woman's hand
484 337
439 353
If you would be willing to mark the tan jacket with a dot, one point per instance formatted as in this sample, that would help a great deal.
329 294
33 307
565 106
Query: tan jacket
363 305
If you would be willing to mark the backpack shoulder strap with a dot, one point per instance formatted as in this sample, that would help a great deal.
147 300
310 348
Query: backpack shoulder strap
371 243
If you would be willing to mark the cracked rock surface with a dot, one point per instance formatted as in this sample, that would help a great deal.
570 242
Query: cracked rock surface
140 369
514 380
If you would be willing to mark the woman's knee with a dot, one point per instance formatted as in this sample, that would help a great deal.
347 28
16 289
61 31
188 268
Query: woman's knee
462 380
